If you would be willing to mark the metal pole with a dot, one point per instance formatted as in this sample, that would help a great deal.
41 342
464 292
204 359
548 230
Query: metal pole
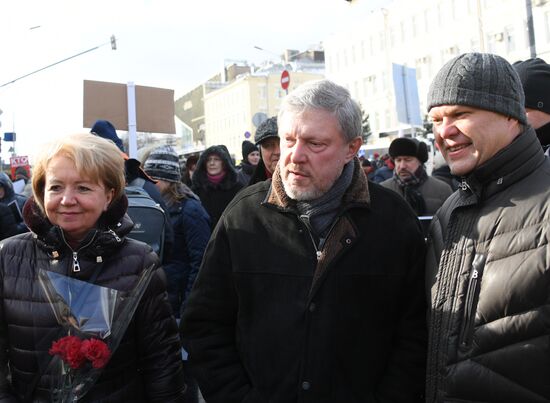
132 124
530 29
480 27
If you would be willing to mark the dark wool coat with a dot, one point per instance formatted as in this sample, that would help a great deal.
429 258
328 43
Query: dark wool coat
215 197
434 192
282 322
146 367
488 267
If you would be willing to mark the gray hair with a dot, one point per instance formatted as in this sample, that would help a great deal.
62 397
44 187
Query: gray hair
326 95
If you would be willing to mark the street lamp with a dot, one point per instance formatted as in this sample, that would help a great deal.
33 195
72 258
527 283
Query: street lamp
112 41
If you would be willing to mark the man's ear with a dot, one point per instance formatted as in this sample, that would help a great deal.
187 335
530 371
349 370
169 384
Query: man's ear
353 148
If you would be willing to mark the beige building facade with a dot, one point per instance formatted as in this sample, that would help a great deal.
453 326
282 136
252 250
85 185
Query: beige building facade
229 111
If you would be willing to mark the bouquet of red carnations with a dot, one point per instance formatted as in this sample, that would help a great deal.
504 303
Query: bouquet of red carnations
92 321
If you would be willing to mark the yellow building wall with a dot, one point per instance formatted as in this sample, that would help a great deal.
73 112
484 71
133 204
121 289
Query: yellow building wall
229 110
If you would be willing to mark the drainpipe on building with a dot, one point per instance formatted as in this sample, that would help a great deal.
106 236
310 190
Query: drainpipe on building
530 29
480 27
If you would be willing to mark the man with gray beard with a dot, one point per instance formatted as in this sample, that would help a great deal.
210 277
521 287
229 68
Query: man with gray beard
311 286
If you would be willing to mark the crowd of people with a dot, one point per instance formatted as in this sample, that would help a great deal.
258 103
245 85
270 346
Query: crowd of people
303 274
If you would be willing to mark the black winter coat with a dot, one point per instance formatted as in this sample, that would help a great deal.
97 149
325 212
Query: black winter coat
146 367
215 197
8 226
10 196
282 322
488 267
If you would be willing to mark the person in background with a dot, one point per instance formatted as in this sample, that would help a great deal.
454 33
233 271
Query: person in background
22 174
136 176
535 78
367 168
190 167
8 225
425 194
191 226
8 196
267 138
488 258
79 224
284 308
215 181
251 157
385 172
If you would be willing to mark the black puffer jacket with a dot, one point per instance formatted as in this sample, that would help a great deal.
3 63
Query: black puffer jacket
490 261
215 197
146 367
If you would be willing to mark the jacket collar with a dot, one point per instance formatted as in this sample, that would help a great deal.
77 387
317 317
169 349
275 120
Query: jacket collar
508 166
356 194
112 226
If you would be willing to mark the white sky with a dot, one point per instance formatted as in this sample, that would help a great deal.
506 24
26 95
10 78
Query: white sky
173 44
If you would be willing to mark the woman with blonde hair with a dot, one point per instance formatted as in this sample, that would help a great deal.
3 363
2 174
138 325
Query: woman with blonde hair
78 222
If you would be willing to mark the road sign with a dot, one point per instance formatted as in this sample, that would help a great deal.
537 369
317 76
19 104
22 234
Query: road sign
285 79
406 95
19 161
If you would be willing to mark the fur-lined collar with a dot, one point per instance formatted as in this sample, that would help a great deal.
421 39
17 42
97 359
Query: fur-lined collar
357 192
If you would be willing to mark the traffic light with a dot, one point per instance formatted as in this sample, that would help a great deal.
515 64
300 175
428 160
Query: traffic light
113 42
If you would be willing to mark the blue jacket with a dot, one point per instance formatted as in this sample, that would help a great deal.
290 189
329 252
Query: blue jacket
191 225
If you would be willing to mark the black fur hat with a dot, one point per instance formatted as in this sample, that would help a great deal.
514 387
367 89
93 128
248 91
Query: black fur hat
410 147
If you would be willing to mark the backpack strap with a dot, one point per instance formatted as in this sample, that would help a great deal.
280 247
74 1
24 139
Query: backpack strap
137 182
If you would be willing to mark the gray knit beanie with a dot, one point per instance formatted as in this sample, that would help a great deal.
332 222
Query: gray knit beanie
163 164
480 80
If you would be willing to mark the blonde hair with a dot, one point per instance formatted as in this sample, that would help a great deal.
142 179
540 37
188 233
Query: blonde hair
98 159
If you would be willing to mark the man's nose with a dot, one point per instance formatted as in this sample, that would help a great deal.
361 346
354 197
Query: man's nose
298 152
447 128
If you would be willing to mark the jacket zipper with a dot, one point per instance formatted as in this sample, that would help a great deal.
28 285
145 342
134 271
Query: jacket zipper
305 220
76 263
470 305
464 185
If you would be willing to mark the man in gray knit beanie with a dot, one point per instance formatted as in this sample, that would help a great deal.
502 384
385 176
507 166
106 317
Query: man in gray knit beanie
488 256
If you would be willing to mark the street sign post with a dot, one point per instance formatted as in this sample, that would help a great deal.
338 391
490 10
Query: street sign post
285 80
406 95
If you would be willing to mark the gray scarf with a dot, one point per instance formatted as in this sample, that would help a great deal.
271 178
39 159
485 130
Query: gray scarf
319 214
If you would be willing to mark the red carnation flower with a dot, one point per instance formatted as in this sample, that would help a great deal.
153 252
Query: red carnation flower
69 349
96 351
